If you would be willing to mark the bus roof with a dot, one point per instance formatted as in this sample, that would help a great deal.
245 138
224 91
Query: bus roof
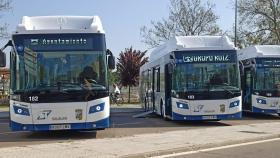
180 43
259 51
59 24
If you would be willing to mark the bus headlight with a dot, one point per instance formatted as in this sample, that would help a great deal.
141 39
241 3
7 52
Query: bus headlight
96 108
182 105
21 110
234 104
261 101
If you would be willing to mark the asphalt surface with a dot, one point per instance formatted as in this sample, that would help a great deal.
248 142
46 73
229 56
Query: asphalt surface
122 124
259 150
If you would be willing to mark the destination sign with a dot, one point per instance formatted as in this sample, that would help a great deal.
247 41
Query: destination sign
268 62
206 56
57 42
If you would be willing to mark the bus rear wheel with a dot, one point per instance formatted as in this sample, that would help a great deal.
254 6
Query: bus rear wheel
162 112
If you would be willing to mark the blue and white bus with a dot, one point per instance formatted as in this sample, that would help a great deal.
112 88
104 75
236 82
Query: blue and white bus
261 79
192 78
58 70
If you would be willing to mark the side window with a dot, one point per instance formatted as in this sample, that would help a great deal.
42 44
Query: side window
248 80
156 72
149 80
248 87
158 80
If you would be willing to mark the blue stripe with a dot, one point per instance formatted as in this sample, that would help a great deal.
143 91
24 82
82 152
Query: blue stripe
178 117
74 126
267 111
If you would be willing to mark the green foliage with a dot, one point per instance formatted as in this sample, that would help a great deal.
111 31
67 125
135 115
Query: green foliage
4 105
259 22
113 77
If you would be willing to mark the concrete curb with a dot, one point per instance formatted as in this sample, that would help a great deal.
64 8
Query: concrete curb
149 144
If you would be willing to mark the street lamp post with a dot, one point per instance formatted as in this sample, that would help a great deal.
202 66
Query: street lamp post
235 26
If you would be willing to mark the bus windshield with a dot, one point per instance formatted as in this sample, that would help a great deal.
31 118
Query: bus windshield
267 78
206 77
58 70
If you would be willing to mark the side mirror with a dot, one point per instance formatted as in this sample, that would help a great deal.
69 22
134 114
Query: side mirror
111 60
171 68
2 59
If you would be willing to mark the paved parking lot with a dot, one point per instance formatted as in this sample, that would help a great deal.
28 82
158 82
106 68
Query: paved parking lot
122 124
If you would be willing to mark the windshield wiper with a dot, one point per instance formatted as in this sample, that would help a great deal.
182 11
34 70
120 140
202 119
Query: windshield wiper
222 87
64 84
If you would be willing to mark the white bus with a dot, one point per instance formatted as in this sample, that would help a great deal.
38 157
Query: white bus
261 80
192 78
58 70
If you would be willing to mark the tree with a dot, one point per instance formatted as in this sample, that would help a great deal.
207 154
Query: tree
4 5
186 17
113 77
128 67
259 22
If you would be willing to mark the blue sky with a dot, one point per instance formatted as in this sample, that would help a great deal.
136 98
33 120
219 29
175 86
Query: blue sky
122 19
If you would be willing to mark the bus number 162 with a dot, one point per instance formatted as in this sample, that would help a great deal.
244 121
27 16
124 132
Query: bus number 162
33 98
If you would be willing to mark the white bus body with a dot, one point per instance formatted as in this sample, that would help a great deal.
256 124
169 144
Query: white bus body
192 78
59 74
261 79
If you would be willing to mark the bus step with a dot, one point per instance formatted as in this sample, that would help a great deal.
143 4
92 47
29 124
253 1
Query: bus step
144 114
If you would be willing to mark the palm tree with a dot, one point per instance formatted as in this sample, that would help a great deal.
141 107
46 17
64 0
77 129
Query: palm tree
128 66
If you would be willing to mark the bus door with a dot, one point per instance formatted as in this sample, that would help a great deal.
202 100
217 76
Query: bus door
149 92
168 83
153 87
247 84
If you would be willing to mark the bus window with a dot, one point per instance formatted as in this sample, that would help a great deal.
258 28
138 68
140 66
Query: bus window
158 79
248 86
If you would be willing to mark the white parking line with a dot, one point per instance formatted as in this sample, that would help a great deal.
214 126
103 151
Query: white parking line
216 148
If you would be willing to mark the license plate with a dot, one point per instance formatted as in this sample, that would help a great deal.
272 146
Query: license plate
60 127
209 117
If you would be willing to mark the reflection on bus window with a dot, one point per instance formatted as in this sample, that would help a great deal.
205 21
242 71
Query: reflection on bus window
67 69
267 78
202 77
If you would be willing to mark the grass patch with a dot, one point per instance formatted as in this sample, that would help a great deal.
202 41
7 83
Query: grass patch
4 105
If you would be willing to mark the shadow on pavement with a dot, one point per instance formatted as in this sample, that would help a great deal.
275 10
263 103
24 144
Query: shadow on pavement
64 135
122 118
261 116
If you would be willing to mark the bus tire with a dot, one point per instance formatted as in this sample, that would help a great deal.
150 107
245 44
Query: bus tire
162 113
145 104
161 110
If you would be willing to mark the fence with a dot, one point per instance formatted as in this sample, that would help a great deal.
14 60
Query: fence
134 94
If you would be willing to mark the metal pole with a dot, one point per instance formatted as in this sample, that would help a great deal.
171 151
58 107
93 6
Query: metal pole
235 26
